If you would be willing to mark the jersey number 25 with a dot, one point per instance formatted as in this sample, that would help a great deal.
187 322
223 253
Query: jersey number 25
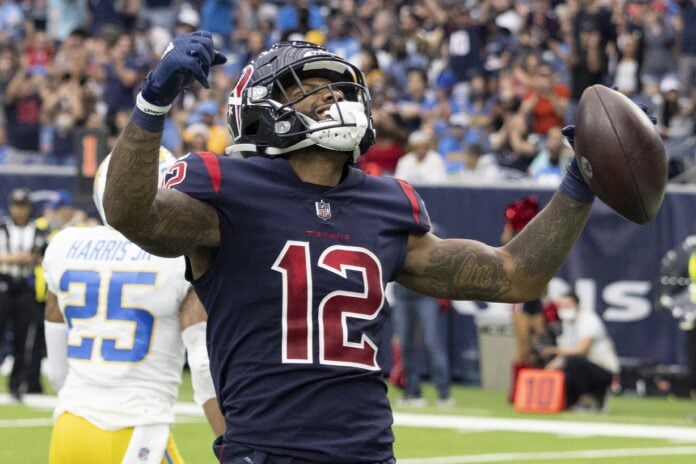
142 319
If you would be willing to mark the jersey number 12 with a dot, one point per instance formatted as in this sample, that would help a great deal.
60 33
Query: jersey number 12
335 308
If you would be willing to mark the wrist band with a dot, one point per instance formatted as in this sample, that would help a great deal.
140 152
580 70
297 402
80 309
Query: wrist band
574 186
148 116
148 108
148 122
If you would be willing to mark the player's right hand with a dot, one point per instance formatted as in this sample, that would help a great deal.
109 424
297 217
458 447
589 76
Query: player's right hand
186 59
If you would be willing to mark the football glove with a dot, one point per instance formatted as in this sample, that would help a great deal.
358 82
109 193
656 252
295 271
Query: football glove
186 59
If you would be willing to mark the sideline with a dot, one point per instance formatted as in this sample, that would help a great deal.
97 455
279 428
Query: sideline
553 455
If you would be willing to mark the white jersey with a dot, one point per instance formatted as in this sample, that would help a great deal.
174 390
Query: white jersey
589 325
121 305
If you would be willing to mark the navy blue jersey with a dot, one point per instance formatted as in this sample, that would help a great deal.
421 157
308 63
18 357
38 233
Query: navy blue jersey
296 306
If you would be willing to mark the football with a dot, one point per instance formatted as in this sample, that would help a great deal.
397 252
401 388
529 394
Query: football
620 153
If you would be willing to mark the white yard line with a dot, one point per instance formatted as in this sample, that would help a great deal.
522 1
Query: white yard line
468 423
554 455
608 429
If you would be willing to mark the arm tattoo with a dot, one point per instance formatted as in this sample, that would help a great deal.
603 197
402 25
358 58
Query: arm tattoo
470 270
464 270
542 247
163 222
131 182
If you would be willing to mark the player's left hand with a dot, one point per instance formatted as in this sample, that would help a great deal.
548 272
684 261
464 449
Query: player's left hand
187 59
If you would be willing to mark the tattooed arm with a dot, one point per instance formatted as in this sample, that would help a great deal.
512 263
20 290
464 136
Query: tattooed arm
470 270
163 222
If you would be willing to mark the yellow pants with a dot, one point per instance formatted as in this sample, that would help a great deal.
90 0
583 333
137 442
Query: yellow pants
77 441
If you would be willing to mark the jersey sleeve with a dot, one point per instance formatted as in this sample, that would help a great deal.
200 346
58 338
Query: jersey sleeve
418 211
195 174
52 259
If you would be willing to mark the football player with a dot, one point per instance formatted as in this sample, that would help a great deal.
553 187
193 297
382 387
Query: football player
291 247
117 323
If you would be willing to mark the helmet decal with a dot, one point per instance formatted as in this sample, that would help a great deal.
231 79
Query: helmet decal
236 98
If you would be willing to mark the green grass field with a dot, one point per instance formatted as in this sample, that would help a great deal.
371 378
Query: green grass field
25 433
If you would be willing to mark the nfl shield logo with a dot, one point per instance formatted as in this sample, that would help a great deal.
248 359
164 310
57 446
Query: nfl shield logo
143 454
323 210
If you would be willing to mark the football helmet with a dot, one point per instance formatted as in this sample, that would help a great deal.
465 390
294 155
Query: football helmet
166 160
262 116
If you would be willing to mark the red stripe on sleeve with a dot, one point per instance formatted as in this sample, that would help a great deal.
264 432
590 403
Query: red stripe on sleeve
212 164
411 195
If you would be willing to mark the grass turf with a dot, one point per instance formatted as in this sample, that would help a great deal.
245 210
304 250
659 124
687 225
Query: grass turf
27 441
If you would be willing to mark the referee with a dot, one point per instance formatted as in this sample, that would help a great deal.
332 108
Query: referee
21 248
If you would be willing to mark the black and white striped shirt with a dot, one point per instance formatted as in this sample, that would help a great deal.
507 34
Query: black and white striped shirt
17 239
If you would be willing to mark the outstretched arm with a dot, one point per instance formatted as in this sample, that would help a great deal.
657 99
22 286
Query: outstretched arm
470 270
518 271
163 222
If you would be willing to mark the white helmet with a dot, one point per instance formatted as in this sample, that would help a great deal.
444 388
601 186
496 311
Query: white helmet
166 160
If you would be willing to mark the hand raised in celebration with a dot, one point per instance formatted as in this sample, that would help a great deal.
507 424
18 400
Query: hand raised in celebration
186 59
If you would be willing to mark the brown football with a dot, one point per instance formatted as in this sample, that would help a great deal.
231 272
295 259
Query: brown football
620 153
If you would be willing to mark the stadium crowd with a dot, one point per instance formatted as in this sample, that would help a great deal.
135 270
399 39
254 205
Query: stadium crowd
484 87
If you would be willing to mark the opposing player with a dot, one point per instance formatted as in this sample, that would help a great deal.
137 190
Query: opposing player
290 249
117 322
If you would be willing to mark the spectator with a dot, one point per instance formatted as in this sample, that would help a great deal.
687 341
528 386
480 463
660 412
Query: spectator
217 135
674 118
421 165
11 21
686 26
626 77
659 40
196 137
122 74
585 353
410 310
158 13
22 104
546 101
21 248
38 52
341 38
465 43
60 212
453 140
382 157
548 167
63 109
542 24
64 17
414 107
216 17
588 60
476 166
514 144
9 62
187 20
290 16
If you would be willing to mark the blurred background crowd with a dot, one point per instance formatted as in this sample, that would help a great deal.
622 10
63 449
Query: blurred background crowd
463 91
